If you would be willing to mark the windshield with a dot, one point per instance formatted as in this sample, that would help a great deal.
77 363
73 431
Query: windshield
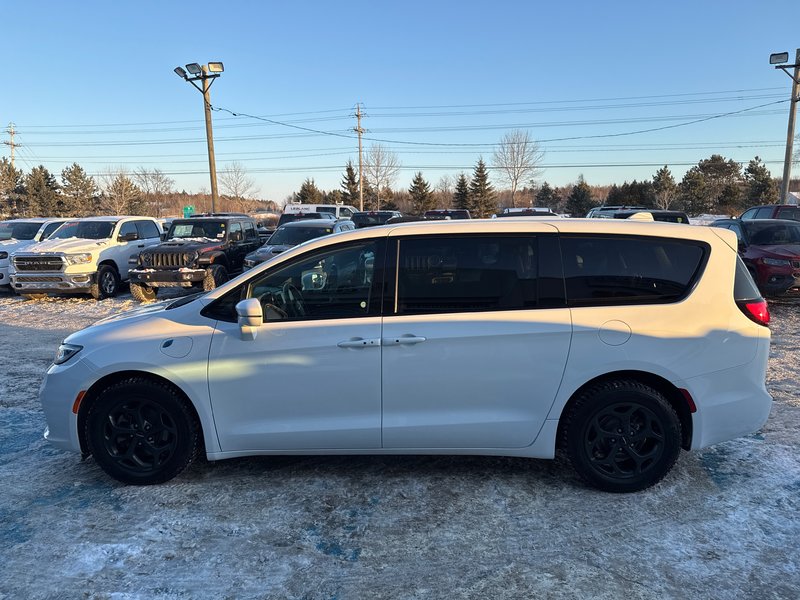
291 236
19 230
87 230
212 230
772 233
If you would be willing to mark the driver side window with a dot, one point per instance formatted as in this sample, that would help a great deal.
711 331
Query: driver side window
333 284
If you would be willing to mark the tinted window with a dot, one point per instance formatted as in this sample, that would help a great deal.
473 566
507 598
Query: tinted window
87 230
128 227
249 231
789 212
763 213
466 273
236 227
50 228
602 270
744 288
18 231
749 214
147 229
771 233
291 236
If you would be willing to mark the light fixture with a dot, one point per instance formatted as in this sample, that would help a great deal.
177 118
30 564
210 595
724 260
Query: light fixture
215 67
778 58
180 72
194 68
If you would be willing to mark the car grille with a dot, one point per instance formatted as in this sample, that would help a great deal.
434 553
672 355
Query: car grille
166 260
38 279
38 263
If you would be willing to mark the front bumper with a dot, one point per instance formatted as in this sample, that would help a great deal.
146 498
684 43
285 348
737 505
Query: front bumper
778 280
56 281
58 393
183 277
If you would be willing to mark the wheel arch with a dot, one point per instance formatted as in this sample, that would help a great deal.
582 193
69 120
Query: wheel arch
671 392
101 384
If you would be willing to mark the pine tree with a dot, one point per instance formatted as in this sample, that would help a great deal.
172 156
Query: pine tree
41 193
545 197
350 192
11 187
123 197
481 193
461 193
79 192
664 187
309 193
761 188
693 195
580 199
421 196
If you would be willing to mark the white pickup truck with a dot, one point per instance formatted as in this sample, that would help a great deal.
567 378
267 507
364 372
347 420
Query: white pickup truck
18 234
83 256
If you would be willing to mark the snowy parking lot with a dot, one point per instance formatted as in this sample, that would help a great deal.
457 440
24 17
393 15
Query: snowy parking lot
723 524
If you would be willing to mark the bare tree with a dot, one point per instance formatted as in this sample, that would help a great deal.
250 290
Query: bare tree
120 194
154 186
381 167
444 191
236 183
518 158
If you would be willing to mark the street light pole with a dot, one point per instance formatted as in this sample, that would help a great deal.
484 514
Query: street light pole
787 160
212 163
206 74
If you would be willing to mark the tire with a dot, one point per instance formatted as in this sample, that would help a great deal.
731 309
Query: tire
33 296
216 275
622 436
106 283
143 293
141 432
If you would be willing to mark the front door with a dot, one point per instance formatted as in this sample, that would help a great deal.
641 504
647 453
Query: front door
311 377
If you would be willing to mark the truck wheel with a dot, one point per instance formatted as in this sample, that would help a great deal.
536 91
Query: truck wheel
216 275
106 283
143 293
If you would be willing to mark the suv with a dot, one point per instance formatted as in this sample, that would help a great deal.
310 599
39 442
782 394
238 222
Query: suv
19 234
770 248
291 217
443 214
607 211
197 252
772 211
336 211
83 255
371 218
617 342
663 216
291 234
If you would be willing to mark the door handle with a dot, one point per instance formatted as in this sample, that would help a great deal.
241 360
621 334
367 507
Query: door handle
403 340
360 343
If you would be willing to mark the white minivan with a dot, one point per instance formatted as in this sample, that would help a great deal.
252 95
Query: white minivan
617 342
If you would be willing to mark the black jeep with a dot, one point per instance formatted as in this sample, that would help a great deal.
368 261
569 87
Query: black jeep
197 252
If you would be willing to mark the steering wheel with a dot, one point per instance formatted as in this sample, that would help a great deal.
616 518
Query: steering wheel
293 300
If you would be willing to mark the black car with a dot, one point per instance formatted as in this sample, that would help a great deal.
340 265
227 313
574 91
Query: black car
664 216
197 252
438 214
371 218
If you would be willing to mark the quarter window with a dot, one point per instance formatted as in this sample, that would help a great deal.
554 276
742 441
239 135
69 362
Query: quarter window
602 270
466 274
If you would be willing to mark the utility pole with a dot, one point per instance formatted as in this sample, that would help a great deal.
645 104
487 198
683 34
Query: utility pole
11 143
206 74
787 160
360 131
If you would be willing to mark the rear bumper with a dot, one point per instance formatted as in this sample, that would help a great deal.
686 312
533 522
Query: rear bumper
183 277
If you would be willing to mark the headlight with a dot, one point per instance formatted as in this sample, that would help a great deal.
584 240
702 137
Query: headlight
78 259
776 262
3 255
65 352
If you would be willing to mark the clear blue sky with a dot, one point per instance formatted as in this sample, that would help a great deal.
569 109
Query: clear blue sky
92 82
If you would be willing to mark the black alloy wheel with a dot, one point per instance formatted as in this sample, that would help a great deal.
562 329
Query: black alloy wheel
622 436
141 432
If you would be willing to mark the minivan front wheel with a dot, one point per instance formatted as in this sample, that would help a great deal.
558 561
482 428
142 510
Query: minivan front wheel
622 436
140 432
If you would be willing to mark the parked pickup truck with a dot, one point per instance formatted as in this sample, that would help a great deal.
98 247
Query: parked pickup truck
197 252
88 255
19 234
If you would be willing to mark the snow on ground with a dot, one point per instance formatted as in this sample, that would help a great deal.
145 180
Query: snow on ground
723 524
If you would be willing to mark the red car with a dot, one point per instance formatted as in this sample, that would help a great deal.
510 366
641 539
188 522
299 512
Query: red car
772 211
771 250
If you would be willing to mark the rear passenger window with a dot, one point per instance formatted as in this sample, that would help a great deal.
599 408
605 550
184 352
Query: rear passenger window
764 213
466 274
147 229
603 270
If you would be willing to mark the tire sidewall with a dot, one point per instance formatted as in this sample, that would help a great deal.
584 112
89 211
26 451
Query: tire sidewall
116 395
98 290
627 394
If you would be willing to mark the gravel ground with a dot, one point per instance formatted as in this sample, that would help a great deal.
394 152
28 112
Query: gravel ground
723 524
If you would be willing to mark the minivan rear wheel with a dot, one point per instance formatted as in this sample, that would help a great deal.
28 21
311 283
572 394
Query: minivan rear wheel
622 436
141 432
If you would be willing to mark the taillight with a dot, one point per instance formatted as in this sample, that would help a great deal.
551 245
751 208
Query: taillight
755 310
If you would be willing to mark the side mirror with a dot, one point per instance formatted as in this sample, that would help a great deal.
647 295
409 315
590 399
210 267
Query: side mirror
250 316
163 236
129 237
